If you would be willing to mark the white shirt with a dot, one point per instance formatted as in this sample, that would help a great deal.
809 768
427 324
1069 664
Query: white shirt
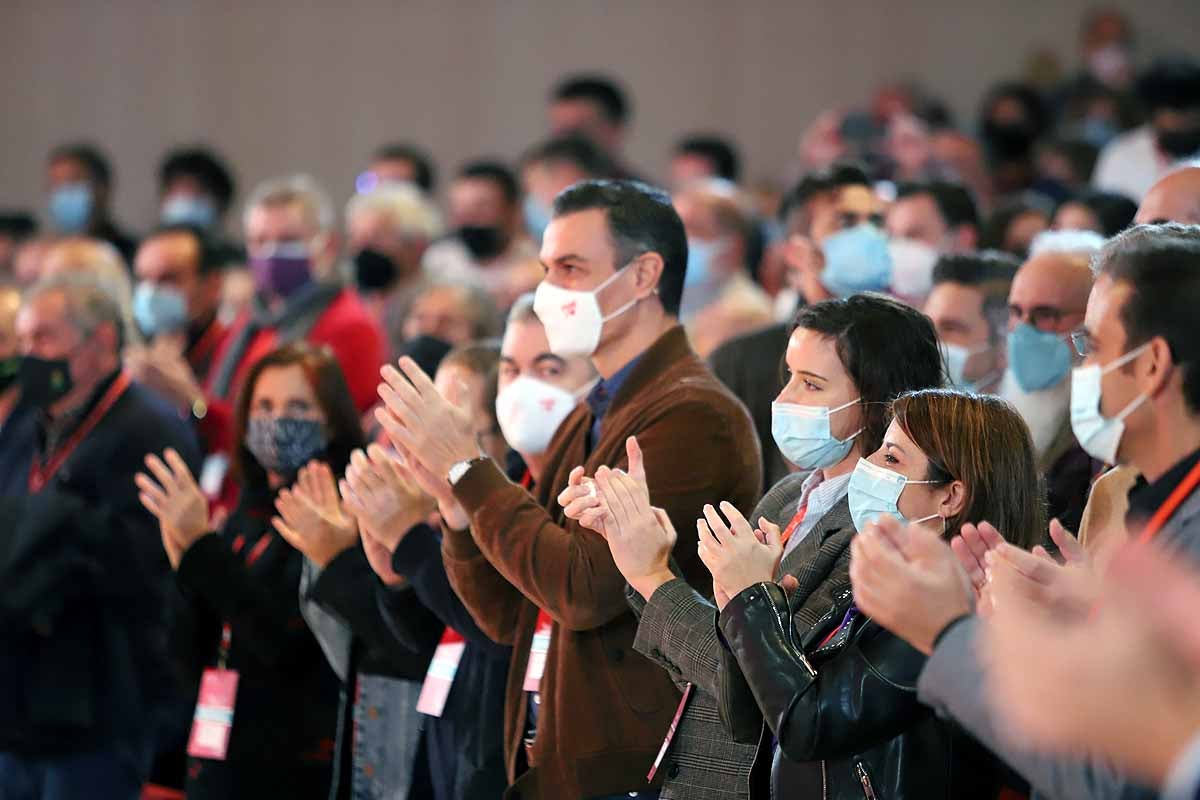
820 495
1183 781
1130 164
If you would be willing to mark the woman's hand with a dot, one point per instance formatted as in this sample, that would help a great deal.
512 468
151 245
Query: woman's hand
737 555
380 559
383 496
311 517
174 498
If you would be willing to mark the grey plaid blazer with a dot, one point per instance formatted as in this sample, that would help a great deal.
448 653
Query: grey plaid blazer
677 630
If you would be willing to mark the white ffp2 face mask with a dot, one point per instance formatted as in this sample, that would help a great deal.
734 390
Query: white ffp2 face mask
529 412
955 357
1098 435
572 318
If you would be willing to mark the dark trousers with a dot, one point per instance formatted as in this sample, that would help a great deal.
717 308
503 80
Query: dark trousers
92 775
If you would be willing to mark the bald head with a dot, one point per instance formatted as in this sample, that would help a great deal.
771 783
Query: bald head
1175 198
10 303
1059 281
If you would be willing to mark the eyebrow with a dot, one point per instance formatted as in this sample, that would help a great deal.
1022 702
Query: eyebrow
548 357
894 446
813 375
564 257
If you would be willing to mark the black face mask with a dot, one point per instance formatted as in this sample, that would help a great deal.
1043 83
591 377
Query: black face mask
1180 143
1007 141
373 270
484 241
9 369
43 381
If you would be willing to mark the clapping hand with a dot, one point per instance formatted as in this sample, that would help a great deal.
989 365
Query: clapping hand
737 555
908 580
383 496
1068 589
640 537
173 496
581 499
427 429
311 516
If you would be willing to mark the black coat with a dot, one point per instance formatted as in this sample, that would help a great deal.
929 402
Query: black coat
466 750
83 654
844 710
285 721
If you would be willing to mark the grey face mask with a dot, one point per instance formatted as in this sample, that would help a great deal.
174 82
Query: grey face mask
285 444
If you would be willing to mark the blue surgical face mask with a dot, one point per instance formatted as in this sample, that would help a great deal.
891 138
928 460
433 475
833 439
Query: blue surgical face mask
285 444
804 436
1098 435
875 491
701 254
1038 359
857 260
189 209
159 309
71 207
537 217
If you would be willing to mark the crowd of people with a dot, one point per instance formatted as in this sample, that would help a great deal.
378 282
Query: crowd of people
400 505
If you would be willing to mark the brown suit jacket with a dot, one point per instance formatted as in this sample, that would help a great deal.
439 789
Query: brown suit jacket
604 709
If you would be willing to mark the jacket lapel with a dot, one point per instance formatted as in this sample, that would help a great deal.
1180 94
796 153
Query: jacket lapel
818 564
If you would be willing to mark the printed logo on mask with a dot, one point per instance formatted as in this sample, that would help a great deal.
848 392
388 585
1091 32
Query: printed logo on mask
569 309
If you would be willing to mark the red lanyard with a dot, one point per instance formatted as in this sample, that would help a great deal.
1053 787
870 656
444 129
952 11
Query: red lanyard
795 523
1172 504
39 473
206 343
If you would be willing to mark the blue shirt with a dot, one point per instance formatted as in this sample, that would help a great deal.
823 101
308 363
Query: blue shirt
601 396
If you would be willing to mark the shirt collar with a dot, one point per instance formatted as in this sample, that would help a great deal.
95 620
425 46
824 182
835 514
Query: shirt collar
1145 498
602 394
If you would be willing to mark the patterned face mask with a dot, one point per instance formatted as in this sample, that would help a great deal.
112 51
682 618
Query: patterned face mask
285 444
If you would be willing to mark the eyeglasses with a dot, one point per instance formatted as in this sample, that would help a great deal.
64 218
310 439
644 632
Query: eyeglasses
1081 340
1044 318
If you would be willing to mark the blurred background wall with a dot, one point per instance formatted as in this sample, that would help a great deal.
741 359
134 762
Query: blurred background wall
282 86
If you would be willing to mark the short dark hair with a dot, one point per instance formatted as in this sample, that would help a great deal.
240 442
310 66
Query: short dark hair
641 219
211 257
423 167
953 200
886 346
497 173
820 181
1161 265
1170 83
328 383
720 152
1114 211
93 160
571 149
203 165
598 89
990 271
994 230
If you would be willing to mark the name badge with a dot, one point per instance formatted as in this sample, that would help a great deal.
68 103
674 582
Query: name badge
214 714
440 676
537 653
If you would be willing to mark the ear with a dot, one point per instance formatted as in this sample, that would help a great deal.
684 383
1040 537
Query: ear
648 269
955 501
1159 370
966 238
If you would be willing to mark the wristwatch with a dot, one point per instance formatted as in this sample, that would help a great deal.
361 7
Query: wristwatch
458 470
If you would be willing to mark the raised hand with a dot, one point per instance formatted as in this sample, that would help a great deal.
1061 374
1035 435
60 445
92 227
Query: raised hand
380 559
581 501
383 496
972 546
173 496
1069 589
737 555
640 537
434 431
311 518
908 580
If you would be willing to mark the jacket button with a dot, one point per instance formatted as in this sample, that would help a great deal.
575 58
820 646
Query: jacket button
673 771
618 655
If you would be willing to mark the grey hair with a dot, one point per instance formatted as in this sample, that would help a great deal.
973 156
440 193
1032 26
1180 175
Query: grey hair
406 207
522 310
300 189
90 303
1073 243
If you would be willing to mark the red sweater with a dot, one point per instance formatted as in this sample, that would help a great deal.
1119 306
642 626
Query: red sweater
345 327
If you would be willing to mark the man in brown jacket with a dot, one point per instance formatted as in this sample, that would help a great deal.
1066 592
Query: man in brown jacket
589 724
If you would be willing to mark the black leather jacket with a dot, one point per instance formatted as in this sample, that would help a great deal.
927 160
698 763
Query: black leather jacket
844 710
